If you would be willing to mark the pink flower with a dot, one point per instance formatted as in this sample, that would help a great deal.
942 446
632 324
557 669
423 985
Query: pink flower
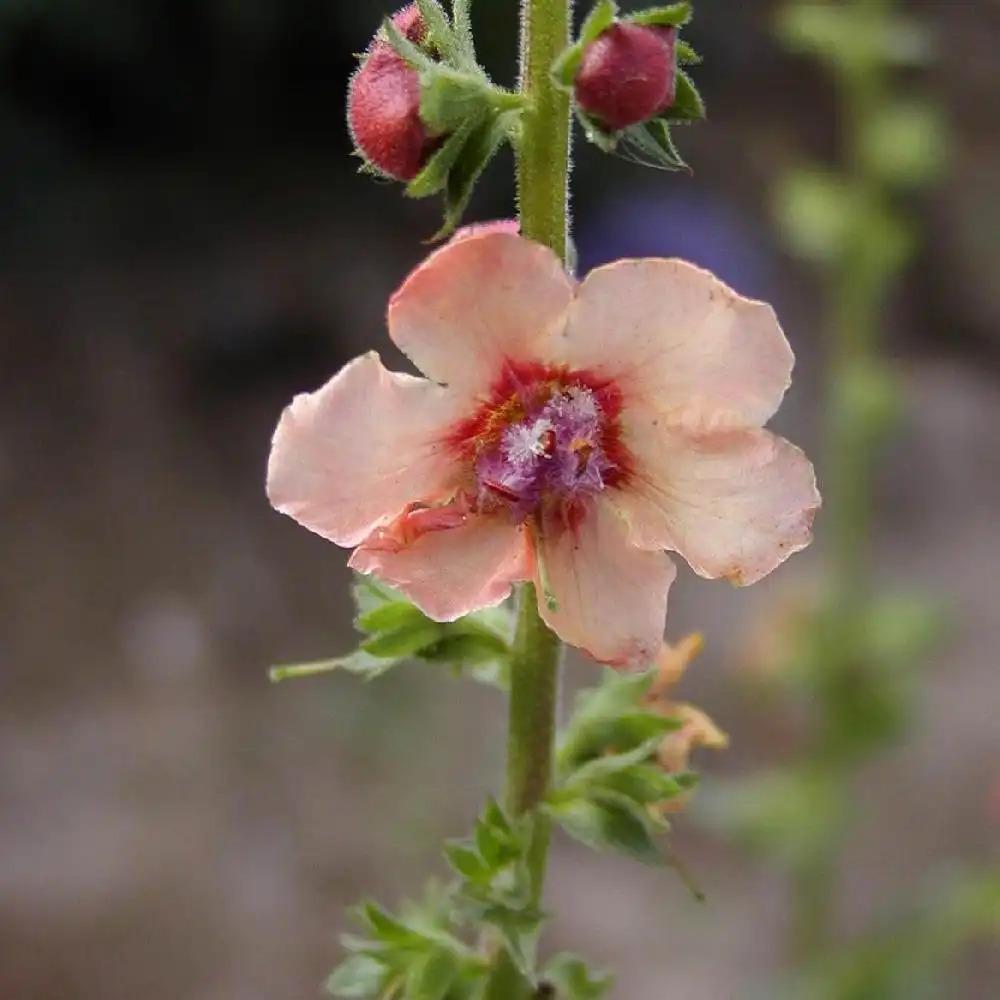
566 433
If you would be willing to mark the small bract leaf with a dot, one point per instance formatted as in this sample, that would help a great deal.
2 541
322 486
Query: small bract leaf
574 980
608 825
357 976
431 976
467 862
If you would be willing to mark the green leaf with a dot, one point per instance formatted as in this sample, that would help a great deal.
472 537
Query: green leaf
398 614
591 738
359 662
573 980
608 824
388 929
675 15
357 976
519 929
400 643
688 105
431 976
467 862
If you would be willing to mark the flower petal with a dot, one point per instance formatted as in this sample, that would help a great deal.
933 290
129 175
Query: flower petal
734 503
611 598
674 336
450 572
477 301
351 455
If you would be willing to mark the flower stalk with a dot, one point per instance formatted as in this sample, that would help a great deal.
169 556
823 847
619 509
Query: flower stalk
543 169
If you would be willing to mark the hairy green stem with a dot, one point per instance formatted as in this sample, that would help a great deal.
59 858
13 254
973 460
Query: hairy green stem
543 210
543 151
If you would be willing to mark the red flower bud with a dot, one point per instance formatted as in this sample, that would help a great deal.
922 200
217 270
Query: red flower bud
383 109
410 23
627 74
383 104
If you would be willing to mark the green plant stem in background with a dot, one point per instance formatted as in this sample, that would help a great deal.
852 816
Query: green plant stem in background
543 212
855 293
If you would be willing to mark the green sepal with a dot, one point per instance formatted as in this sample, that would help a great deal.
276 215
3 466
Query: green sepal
461 19
450 99
412 54
688 105
672 16
652 144
601 17
573 980
440 35
686 55
482 146
434 175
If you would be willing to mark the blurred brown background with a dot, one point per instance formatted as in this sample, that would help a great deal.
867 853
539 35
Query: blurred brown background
185 243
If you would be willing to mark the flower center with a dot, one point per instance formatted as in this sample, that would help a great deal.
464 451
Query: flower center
553 452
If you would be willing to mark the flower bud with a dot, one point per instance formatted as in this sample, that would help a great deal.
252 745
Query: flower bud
383 105
410 23
627 74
